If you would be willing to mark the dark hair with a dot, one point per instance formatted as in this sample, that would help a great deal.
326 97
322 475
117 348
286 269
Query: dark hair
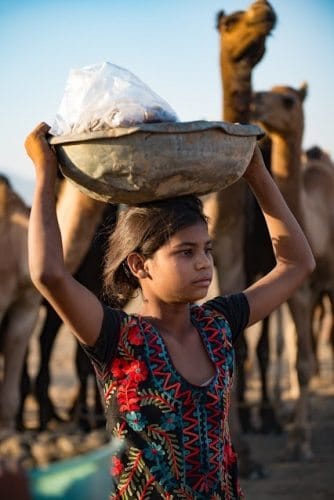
144 228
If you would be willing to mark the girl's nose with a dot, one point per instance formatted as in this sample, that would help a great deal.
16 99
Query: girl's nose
204 261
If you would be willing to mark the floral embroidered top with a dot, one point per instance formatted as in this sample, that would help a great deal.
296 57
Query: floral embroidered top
170 438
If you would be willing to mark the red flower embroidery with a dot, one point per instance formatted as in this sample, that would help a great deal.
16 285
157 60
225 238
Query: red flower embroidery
135 336
128 373
116 467
117 368
136 371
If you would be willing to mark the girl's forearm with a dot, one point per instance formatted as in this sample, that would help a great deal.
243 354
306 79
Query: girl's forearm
289 242
46 261
294 259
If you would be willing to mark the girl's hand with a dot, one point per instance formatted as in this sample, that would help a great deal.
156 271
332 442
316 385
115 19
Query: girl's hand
38 148
255 165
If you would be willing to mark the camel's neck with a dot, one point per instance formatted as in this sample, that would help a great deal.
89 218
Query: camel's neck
237 88
286 169
237 94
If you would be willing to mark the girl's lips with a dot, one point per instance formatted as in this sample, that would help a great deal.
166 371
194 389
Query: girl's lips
203 282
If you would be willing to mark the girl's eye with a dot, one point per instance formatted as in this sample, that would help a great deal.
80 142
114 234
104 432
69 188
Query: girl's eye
209 250
188 252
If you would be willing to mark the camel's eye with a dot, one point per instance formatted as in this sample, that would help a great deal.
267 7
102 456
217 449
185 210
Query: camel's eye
288 102
230 21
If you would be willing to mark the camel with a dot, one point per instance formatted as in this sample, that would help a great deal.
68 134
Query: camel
88 273
242 35
244 250
315 159
19 301
309 194
242 41
81 219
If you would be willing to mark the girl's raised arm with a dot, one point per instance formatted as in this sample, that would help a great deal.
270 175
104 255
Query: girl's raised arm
294 259
80 309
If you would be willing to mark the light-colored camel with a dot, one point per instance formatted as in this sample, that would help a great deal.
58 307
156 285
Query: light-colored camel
318 164
19 301
309 194
242 46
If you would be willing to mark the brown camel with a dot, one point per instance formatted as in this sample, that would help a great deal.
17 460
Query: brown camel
19 301
316 163
79 218
309 194
244 250
242 37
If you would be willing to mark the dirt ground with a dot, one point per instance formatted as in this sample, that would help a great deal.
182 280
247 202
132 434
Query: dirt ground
285 480
295 480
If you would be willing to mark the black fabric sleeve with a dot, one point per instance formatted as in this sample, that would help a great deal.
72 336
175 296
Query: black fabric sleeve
105 347
235 308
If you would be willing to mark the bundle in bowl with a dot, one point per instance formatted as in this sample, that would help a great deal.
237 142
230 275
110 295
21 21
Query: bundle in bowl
103 149
157 160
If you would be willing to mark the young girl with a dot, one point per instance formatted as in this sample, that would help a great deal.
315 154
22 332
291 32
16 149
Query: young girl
166 373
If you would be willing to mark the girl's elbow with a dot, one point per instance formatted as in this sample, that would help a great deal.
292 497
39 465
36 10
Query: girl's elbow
44 279
311 265
298 271
307 266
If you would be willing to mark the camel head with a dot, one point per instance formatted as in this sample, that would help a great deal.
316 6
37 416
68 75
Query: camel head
316 156
243 33
280 110
316 153
4 183
5 192
9 199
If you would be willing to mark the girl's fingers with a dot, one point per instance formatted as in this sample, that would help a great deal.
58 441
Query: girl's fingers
41 129
36 144
38 133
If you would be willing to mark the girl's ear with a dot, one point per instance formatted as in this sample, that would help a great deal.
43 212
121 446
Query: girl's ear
136 265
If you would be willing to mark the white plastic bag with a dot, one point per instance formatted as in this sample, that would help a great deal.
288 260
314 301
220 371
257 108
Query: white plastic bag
105 96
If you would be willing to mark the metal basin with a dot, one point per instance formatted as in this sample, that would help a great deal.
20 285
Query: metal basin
157 160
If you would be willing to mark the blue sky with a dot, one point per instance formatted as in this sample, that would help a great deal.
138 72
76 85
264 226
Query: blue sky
172 45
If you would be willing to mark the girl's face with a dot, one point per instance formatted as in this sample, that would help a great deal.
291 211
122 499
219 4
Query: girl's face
181 270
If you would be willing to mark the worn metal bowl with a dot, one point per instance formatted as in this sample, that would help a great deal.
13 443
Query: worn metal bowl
157 160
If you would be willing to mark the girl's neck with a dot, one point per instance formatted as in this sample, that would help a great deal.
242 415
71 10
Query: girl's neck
171 319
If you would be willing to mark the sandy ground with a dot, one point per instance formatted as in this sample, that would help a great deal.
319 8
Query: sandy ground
312 480
285 480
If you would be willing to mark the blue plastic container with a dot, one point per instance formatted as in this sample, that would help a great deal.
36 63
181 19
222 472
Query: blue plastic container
86 477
